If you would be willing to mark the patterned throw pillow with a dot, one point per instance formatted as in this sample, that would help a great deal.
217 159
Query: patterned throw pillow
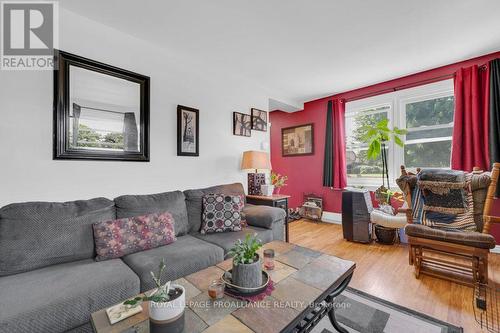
454 222
221 213
117 238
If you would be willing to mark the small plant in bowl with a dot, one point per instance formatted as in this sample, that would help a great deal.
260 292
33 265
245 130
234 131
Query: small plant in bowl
167 301
247 266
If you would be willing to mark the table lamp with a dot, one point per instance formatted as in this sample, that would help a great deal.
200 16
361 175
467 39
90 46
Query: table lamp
255 160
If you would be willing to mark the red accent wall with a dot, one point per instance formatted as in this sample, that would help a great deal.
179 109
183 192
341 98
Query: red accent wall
305 174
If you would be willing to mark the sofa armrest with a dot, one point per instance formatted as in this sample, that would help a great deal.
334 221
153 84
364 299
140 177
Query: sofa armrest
264 216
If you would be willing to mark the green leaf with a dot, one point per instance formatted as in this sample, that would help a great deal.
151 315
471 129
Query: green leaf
370 134
373 150
398 141
400 131
383 125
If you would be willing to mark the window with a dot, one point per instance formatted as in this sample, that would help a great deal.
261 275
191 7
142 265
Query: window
430 126
358 164
425 111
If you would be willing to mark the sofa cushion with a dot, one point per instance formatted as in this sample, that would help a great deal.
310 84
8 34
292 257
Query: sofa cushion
187 255
221 213
475 239
226 240
263 216
172 202
116 238
194 201
62 297
39 234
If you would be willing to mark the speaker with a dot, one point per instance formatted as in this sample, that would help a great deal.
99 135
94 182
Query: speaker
356 209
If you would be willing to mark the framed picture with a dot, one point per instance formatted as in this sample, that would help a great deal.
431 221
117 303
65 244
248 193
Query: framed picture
101 112
259 120
188 130
242 124
297 140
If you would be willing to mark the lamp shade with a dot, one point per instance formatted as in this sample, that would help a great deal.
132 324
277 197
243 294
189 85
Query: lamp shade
253 159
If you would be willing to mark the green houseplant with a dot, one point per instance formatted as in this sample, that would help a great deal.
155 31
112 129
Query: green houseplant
247 266
378 137
167 301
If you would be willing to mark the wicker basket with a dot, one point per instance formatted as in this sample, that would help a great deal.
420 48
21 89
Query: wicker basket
385 235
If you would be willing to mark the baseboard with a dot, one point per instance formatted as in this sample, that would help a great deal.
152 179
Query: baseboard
496 249
330 217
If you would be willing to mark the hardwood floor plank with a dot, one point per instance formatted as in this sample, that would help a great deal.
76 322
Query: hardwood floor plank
383 271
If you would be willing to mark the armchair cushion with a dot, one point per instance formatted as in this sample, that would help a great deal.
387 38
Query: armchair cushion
474 239
263 216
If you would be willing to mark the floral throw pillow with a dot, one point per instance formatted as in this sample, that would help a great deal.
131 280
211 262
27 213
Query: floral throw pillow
117 238
221 213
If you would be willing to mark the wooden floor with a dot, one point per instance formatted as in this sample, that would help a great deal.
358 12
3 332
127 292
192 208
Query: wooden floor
383 271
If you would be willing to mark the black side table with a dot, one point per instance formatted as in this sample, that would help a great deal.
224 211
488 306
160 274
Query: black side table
275 200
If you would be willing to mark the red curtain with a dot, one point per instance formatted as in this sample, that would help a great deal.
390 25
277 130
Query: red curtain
339 158
471 128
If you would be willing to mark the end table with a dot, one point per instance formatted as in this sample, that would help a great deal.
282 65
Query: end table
275 200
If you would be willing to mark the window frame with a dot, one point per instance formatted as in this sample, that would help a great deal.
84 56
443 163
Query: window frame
397 101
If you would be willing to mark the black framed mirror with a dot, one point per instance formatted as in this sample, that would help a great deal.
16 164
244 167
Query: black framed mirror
101 112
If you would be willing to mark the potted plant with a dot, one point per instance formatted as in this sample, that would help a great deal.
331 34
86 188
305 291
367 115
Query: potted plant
167 302
278 181
377 137
247 266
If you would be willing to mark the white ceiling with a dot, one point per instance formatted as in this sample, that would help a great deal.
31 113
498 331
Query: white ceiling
305 49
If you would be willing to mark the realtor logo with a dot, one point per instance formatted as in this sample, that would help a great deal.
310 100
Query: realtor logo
29 35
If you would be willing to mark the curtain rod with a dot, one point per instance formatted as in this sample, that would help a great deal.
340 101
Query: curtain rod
401 87
409 85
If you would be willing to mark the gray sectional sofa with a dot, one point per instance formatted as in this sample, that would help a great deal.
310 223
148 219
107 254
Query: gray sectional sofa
50 282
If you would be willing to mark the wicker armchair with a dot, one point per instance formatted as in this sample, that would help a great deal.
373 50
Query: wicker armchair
457 256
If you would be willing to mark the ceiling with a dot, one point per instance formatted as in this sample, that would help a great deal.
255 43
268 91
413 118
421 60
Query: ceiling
305 49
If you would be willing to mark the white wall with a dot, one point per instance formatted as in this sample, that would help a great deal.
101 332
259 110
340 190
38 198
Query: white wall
27 171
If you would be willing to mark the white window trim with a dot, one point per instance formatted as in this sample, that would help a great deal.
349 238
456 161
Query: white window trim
397 101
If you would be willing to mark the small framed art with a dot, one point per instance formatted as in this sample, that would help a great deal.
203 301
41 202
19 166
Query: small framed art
297 140
188 129
242 124
259 120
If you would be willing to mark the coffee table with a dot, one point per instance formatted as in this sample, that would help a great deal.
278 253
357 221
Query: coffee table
306 284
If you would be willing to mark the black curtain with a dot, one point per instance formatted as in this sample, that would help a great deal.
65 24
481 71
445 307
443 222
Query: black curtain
328 161
495 113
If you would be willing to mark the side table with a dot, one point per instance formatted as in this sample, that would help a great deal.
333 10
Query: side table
275 200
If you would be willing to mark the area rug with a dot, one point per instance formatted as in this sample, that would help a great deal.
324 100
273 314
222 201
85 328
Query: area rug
360 312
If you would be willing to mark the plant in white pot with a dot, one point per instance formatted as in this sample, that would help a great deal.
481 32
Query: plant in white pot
167 302
247 265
